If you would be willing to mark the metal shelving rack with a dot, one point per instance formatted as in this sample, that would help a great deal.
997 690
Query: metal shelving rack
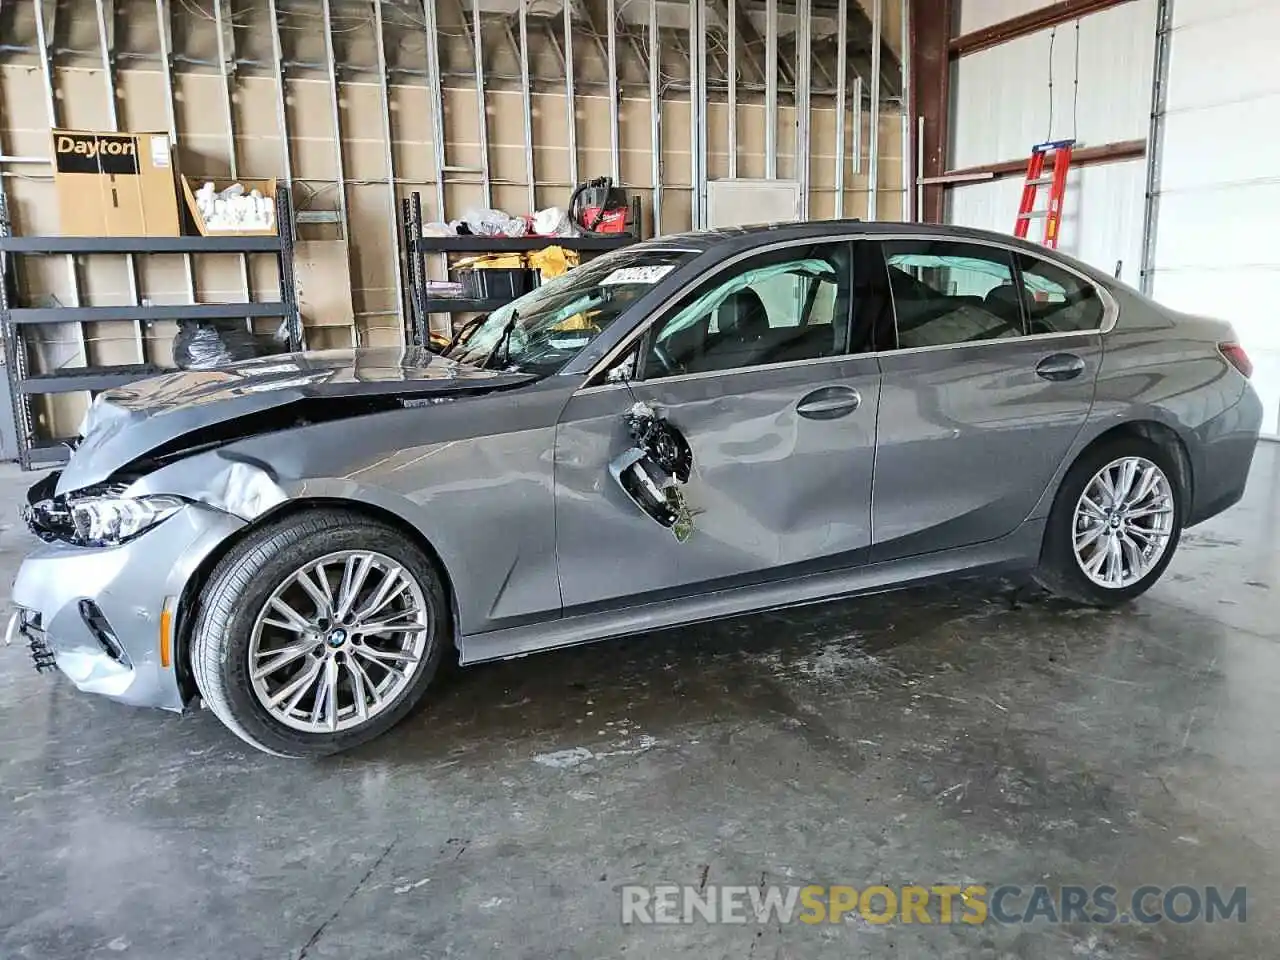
34 451
421 304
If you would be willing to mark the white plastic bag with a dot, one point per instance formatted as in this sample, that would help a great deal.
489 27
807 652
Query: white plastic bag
552 222
485 222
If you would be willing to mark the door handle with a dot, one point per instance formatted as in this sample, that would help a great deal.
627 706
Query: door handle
828 403
1060 366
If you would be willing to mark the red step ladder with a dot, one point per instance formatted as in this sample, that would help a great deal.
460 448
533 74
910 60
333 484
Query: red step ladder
1057 184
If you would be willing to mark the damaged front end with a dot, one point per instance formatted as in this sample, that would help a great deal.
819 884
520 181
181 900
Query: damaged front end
99 598
653 472
101 515
170 469
149 424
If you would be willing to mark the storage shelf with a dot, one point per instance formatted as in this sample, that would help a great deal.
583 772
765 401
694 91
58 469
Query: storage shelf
164 311
140 244
16 320
48 453
419 304
73 379
474 244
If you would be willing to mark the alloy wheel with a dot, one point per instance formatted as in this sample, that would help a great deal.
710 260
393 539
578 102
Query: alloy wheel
338 641
1123 522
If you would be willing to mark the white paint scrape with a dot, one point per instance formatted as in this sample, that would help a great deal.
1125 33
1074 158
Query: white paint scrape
406 887
837 660
576 756
564 759
840 660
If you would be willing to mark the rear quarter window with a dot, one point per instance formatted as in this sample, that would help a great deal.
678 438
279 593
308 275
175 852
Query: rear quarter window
1058 301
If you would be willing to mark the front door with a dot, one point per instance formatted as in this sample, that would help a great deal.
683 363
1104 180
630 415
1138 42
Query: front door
990 383
753 367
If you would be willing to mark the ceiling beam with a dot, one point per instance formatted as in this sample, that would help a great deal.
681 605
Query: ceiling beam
1084 157
1027 23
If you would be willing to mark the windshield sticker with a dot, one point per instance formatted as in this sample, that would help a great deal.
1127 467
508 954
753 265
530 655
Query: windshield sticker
651 274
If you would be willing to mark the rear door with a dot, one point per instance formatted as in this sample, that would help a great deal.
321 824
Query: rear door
753 367
990 382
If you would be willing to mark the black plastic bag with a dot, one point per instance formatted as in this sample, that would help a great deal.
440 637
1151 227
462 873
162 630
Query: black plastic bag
205 344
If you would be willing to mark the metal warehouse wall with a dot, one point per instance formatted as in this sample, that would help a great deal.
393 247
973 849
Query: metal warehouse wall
206 130
1219 181
1003 104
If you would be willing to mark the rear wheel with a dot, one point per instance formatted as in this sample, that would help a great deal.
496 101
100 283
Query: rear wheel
1115 523
318 633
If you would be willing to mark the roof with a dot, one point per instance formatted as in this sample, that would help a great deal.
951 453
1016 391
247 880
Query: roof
733 239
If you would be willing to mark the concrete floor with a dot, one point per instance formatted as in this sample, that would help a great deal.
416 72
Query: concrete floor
932 736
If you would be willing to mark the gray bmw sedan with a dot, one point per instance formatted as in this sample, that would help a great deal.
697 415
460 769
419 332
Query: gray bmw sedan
692 427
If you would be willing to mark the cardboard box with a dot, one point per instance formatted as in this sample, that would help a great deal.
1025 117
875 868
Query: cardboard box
324 283
115 184
265 187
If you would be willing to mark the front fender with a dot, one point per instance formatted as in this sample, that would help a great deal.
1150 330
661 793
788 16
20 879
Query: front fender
494 533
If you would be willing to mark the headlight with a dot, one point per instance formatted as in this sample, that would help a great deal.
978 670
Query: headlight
104 521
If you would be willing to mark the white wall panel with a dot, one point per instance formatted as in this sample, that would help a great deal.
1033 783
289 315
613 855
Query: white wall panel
976 14
1219 182
1197 11
1102 217
1229 227
1002 100
1232 155
1220 60
990 205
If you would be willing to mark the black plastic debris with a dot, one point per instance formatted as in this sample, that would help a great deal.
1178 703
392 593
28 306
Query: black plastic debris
206 344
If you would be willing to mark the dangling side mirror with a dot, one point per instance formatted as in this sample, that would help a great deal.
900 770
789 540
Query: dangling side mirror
652 472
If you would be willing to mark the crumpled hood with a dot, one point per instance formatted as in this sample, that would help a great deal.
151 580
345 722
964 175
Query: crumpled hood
129 422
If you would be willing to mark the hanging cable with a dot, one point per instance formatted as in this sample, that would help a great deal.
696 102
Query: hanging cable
1053 34
1075 96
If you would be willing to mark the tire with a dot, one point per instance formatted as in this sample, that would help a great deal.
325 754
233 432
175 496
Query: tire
226 632
1061 571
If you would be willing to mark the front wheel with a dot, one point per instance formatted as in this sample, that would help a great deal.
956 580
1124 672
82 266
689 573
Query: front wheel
318 633
1115 523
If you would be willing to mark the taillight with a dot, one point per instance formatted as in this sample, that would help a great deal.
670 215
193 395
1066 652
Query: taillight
1235 355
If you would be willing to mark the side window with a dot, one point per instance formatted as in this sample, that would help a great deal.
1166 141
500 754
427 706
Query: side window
1058 301
948 292
781 306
